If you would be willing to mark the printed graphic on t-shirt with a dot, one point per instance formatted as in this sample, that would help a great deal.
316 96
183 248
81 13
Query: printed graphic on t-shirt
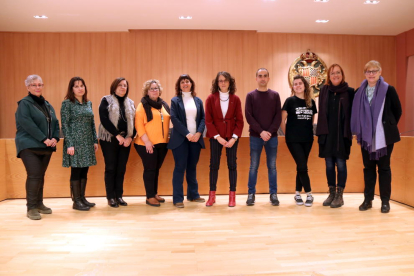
303 113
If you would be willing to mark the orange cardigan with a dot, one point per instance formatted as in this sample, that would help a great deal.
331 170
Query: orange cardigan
153 129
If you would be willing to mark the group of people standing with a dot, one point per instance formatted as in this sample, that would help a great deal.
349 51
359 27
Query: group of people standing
371 113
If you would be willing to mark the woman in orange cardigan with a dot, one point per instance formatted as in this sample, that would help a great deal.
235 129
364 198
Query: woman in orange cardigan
224 122
152 122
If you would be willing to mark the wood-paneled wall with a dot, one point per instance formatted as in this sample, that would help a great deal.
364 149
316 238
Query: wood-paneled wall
3 170
13 174
405 49
165 54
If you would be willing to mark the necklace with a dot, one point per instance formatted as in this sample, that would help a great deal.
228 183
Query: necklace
122 115
224 93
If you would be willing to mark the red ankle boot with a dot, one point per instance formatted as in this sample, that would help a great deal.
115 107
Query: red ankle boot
211 198
232 199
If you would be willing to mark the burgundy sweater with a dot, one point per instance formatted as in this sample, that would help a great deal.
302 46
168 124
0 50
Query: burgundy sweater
263 112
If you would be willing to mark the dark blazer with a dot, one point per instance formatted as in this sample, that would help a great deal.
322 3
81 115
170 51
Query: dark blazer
179 121
216 124
391 116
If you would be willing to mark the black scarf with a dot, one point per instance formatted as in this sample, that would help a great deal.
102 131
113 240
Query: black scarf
148 103
40 103
39 100
341 90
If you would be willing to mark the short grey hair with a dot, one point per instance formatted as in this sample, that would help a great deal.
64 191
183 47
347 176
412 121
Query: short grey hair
32 78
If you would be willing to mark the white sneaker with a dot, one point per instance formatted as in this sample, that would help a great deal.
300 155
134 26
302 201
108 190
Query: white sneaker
309 201
298 200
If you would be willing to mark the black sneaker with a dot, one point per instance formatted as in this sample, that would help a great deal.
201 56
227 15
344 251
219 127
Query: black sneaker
298 199
274 200
309 201
250 200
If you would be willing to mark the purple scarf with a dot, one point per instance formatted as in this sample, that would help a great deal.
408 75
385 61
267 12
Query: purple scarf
364 118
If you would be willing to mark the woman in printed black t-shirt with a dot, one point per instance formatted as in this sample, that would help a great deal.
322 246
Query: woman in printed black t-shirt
297 123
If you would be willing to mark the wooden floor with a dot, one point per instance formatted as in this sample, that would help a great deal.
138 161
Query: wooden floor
196 240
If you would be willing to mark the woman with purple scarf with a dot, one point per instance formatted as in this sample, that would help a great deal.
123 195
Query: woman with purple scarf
334 132
376 111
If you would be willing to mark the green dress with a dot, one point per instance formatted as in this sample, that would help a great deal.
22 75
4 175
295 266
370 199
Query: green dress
78 126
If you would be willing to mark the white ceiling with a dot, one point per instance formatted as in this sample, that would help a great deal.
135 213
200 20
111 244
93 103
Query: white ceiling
389 17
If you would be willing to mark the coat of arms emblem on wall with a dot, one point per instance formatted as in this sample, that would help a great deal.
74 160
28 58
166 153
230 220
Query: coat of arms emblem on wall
312 68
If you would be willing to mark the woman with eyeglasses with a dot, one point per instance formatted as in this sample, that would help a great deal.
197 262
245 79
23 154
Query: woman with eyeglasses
81 142
36 138
376 111
117 114
152 122
224 122
298 113
186 142
334 132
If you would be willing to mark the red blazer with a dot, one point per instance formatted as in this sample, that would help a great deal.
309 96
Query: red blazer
216 124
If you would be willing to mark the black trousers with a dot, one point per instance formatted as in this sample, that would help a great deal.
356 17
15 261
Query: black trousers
36 163
384 175
300 152
78 173
116 158
215 156
152 164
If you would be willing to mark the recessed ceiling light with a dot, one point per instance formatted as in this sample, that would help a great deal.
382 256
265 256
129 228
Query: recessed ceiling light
373 2
322 1
322 21
185 17
40 16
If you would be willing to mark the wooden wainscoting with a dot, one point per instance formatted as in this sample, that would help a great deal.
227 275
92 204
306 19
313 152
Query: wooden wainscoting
13 173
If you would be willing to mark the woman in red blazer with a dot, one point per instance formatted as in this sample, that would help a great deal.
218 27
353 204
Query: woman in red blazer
224 122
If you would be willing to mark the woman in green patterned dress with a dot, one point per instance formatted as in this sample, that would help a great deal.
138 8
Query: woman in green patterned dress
80 143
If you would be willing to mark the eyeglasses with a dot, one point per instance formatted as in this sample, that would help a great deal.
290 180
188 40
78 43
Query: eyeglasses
36 85
154 89
336 73
372 72
223 81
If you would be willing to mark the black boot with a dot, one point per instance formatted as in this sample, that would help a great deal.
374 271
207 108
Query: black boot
338 200
331 197
83 188
40 206
367 204
76 196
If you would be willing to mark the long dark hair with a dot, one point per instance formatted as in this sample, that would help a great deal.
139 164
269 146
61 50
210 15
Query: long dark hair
114 86
178 88
308 95
232 83
70 95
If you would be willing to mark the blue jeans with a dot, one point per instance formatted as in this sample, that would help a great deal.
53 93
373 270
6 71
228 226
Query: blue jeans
186 158
331 173
256 146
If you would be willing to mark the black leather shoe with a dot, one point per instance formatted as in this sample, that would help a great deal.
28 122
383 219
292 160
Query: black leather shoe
385 208
250 200
121 201
274 200
365 205
112 202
